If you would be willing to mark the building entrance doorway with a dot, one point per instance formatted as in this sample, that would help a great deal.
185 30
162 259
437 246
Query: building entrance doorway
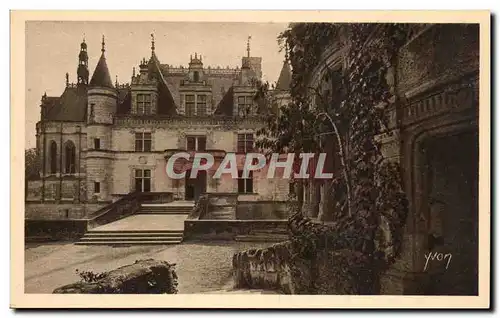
451 203
195 187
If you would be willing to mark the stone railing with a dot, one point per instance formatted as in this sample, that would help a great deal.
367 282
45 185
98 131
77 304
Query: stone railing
200 208
119 209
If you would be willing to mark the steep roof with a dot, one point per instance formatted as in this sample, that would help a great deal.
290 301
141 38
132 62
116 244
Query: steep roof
285 78
225 106
101 75
166 102
71 106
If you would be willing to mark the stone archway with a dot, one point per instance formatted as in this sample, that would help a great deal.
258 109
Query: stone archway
441 163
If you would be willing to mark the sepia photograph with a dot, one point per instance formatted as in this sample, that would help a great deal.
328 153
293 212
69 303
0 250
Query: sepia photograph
292 157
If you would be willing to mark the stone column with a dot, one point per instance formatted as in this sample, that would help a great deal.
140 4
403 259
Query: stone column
315 198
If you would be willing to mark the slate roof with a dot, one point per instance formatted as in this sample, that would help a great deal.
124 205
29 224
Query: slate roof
285 78
70 106
101 75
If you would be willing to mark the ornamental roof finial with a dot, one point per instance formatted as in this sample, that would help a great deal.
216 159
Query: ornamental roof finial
248 45
103 44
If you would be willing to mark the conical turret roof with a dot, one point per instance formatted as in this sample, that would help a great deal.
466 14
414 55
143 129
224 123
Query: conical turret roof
101 77
285 78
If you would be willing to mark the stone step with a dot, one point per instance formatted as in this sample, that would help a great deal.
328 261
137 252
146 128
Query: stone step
154 232
261 238
270 231
126 242
164 212
129 238
139 234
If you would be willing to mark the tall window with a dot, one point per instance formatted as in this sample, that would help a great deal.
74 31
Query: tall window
245 105
69 155
196 143
245 143
53 157
201 105
144 104
143 180
97 187
196 76
245 185
190 105
143 142
97 143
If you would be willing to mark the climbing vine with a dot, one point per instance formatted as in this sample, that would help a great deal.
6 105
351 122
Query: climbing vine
353 107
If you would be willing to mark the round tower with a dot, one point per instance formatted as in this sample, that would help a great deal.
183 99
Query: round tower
102 102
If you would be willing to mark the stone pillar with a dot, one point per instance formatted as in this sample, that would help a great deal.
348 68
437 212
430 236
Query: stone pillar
306 204
325 206
315 198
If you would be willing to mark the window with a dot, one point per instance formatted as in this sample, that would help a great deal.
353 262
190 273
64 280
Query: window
196 143
245 104
196 76
69 152
143 180
201 105
97 143
53 157
143 142
144 104
190 105
97 187
245 185
245 143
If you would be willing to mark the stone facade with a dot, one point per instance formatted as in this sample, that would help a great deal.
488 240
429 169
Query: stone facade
99 141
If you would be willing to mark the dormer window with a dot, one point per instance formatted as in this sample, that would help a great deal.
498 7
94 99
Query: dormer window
144 104
245 105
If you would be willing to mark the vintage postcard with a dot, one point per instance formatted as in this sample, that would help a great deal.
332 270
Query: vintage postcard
250 159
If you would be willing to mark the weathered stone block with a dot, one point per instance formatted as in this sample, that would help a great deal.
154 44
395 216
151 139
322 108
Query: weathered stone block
143 277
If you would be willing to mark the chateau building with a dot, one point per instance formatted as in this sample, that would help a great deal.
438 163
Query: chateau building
99 141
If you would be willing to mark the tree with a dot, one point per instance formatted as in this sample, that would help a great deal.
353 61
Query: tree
31 164
353 109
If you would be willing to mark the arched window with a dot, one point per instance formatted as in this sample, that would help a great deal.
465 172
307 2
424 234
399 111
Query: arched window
69 155
53 157
196 76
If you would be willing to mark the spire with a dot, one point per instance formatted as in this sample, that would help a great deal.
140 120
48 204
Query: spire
67 79
101 77
285 78
248 45
116 81
133 71
102 45
152 44
82 71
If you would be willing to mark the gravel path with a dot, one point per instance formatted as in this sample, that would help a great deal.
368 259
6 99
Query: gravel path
201 267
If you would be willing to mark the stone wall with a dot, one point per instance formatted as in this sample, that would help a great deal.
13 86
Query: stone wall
54 211
339 272
227 229
262 210
54 230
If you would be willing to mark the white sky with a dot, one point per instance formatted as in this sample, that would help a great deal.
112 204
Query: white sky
52 50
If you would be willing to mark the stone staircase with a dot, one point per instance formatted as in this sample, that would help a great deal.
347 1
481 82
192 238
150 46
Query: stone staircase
129 237
222 213
165 209
152 224
264 235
